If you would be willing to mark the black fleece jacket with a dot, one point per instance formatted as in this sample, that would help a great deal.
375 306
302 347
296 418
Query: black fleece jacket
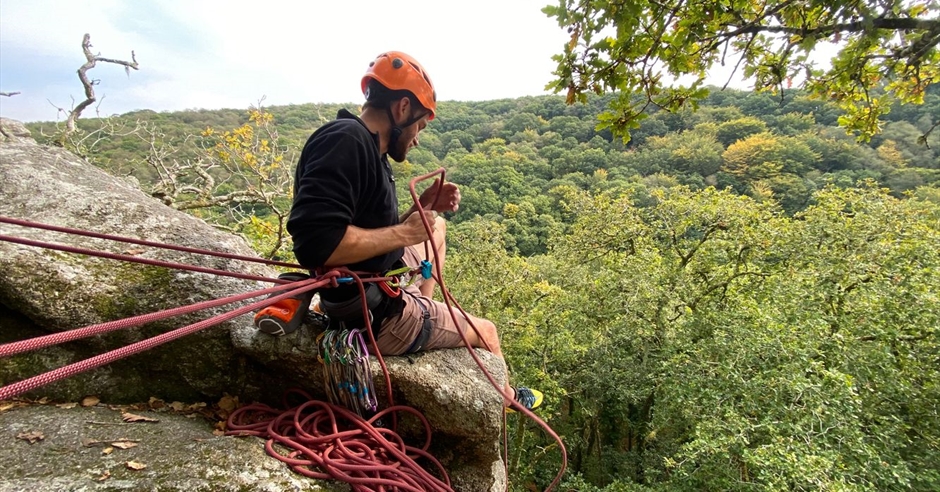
341 180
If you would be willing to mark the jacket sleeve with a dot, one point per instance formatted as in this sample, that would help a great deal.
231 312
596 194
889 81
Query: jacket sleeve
327 185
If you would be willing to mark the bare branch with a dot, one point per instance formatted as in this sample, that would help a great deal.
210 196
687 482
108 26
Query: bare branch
89 84
9 94
923 138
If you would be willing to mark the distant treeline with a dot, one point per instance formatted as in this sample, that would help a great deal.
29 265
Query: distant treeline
516 158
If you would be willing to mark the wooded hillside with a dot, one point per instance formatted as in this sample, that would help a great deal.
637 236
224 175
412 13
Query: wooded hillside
741 298
516 158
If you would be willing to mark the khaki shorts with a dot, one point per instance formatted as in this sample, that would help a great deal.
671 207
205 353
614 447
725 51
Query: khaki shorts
400 332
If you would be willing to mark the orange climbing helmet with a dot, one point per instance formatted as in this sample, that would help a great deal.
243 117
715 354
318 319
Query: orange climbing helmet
398 71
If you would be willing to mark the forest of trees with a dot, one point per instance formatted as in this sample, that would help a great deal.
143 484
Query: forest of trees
741 297
516 159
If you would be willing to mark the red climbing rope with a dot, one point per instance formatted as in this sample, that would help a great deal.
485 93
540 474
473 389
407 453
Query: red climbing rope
452 304
54 375
120 324
362 454
136 259
326 441
317 434
141 242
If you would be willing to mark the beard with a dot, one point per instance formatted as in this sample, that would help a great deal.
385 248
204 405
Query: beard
399 150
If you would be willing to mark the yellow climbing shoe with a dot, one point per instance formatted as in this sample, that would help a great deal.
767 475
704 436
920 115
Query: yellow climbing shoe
528 398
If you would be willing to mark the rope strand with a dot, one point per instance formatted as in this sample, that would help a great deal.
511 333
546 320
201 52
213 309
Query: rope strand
141 242
135 259
452 304
14 348
79 367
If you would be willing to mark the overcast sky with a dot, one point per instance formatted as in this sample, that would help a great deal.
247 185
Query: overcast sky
229 54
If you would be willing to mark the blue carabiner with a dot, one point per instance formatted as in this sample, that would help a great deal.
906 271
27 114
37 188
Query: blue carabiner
426 269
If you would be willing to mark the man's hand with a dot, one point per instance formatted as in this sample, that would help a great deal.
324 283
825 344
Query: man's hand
413 228
439 198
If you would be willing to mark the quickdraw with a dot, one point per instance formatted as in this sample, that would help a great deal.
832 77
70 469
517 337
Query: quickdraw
424 269
347 374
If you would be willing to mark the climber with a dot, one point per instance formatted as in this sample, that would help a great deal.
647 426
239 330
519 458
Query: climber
345 213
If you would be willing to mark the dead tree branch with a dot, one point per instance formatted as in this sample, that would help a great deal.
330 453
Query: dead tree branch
89 84
8 94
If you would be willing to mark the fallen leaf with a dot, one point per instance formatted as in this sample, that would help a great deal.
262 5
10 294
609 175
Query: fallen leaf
107 450
124 444
156 403
6 406
228 403
104 476
90 401
67 405
32 436
130 417
177 406
133 465
134 251
218 432
43 400
197 406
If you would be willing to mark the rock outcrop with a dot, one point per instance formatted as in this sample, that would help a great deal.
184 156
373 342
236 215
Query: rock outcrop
44 291
68 449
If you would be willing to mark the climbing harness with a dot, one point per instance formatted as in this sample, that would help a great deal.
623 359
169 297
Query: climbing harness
324 440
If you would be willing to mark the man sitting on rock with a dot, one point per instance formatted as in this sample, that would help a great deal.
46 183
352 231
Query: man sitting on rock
345 213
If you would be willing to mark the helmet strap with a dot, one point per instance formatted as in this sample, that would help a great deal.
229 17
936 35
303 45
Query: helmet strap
397 129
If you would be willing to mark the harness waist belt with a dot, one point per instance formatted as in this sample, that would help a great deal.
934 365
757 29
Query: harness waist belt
351 309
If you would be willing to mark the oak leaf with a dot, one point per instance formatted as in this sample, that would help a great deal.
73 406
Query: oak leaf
32 436
131 417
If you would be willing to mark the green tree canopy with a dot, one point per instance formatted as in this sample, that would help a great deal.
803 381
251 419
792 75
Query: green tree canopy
887 52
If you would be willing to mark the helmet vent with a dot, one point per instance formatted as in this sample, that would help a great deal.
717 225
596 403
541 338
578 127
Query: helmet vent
397 63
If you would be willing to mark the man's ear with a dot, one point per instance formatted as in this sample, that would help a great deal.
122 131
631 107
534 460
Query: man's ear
402 109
